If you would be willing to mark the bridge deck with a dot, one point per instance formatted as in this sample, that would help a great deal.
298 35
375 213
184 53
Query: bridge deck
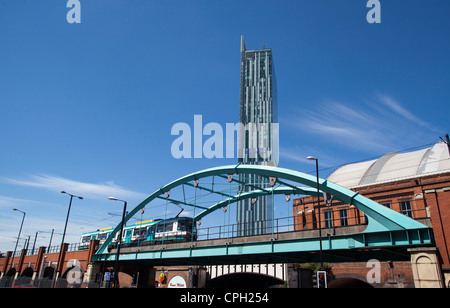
346 244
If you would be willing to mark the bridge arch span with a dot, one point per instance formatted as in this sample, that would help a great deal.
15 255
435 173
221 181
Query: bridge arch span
244 280
283 181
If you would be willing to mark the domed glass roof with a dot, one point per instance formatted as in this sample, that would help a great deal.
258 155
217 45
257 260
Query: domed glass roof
394 166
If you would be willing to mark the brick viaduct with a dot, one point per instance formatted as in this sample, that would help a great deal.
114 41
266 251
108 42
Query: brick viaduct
28 269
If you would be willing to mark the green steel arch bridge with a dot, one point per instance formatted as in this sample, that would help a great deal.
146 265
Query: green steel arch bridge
387 235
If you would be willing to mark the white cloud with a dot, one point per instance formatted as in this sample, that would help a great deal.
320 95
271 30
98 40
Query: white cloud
297 154
292 155
341 127
400 110
11 202
87 190
10 223
47 215
380 126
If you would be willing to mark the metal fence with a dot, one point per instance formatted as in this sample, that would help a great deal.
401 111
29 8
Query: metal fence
331 218
51 249
276 225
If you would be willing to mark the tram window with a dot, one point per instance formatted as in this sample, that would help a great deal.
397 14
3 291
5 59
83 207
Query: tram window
102 236
86 239
139 231
184 226
164 227
128 233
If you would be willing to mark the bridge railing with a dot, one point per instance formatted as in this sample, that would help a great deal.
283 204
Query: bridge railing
51 249
276 225
331 218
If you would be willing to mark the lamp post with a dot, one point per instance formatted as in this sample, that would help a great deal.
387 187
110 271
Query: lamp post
119 242
65 227
18 237
318 207
34 243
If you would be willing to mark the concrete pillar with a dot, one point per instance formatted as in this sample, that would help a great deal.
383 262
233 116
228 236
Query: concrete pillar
5 265
425 267
299 277
310 219
299 220
92 270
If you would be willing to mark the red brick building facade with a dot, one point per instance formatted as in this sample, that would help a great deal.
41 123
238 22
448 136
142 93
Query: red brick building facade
416 184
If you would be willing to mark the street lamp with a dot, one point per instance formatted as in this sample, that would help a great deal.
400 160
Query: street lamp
116 266
65 227
318 207
18 237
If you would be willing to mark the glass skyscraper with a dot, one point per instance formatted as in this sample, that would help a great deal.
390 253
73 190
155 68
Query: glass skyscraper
258 136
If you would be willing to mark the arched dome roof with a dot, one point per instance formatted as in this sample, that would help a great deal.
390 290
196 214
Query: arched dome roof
394 166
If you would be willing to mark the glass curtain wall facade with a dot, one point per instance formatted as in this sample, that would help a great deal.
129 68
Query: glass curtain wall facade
258 136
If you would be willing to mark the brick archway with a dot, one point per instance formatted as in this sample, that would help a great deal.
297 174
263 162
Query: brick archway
244 280
348 282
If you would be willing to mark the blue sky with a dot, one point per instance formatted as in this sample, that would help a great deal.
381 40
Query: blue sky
88 108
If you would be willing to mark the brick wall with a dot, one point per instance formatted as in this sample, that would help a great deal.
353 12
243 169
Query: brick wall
427 197
35 261
392 274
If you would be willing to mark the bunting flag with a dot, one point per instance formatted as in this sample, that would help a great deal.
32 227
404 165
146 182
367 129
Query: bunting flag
272 181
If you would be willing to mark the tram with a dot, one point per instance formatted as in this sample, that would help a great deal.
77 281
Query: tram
149 232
